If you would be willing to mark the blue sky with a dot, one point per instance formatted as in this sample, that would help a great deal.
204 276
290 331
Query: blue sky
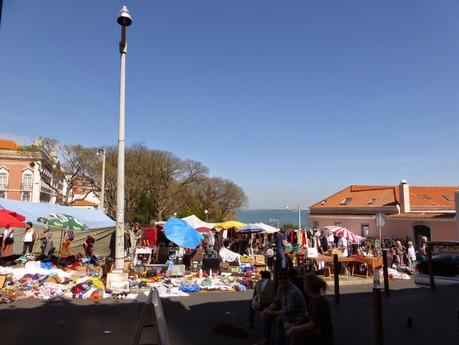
292 100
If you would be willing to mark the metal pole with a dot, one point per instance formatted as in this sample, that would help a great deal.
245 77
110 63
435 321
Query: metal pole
377 317
385 273
380 238
336 276
299 217
102 186
119 250
430 267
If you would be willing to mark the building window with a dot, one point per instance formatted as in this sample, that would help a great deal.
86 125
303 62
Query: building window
3 181
345 201
26 196
27 182
315 224
365 230
2 195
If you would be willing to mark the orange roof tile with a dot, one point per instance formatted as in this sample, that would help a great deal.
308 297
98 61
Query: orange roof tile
7 144
360 196
412 215
83 203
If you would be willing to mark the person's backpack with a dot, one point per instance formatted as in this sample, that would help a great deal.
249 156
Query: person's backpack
70 235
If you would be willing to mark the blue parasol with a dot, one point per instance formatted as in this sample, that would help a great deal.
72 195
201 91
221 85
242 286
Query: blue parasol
182 234
250 229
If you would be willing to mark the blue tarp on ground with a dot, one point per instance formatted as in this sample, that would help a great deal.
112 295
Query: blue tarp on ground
94 219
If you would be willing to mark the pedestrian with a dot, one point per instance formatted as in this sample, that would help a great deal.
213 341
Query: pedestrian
399 252
411 254
280 251
30 237
46 244
8 241
287 308
69 236
263 296
421 254
342 244
317 327
88 245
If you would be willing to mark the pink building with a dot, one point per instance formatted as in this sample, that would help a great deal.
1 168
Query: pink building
29 175
411 211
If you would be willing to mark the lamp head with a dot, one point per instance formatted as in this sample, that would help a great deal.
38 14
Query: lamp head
124 18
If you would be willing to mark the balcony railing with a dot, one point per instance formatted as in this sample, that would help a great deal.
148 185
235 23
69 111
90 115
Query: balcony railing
26 187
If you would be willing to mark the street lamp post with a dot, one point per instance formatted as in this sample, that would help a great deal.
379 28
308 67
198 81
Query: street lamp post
124 19
207 215
102 184
299 215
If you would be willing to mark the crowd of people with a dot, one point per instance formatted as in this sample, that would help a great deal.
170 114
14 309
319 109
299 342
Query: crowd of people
45 239
297 313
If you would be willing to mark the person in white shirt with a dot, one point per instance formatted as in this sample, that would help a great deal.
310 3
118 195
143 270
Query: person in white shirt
411 253
342 244
29 238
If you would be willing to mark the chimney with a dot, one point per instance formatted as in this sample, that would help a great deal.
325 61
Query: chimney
405 206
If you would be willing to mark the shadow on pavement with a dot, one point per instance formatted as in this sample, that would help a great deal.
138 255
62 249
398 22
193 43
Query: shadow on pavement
68 322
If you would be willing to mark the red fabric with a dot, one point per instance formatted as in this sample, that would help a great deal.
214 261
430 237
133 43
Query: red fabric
304 238
291 235
151 235
12 219
203 230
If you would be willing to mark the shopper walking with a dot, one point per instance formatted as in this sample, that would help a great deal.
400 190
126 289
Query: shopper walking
88 245
46 240
8 241
30 237
68 238
411 254
399 252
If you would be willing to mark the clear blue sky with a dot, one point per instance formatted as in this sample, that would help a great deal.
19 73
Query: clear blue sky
292 100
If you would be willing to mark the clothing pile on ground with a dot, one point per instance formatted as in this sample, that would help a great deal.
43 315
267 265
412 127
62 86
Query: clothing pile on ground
83 278
76 278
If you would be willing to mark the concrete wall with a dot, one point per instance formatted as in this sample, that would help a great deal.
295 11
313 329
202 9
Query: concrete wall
441 230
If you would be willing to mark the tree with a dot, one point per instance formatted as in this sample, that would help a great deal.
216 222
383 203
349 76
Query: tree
79 164
222 198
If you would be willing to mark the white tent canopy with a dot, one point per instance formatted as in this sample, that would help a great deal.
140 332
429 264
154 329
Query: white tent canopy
196 223
267 228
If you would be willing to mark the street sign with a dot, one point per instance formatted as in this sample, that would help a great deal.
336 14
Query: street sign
380 219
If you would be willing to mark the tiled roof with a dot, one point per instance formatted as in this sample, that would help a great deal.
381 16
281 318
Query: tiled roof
415 215
361 196
7 144
83 203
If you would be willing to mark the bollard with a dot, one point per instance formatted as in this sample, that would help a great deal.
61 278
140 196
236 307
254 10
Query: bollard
385 273
336 276
430 265
377 317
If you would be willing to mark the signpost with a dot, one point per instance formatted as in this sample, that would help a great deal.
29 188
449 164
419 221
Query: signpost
380 220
